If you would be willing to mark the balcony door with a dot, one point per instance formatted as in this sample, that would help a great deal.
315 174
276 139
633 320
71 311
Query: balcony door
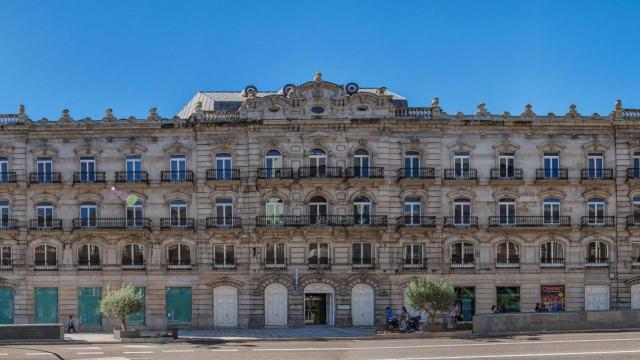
5 214
595 165
224 212
411 164
318 210
551 164
223 166
362 210
412 211
178 167
507 210
134 168
507 166
551 211
461 165
462 212
88 214
361 163
596 211
87 169
44 167
317 163
4 170
44 213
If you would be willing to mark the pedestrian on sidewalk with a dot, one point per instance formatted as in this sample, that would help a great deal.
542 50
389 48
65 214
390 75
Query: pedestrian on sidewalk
71 325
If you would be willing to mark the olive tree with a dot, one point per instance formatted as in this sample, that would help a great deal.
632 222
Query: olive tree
432 295
120 303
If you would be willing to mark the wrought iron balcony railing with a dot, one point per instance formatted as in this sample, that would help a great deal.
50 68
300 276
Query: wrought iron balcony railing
271 264
280 221
462 264
175 264
182 223
45 178
176 176
45 224
9 224
414 264
460 222
96 177
552 174
364 172
633 220
85 266
415 221
363 263
633 174
230 222
596 174
320 172
8 177
223 174
417 173
359 220
112 223
506 174
133 267
458 174
318 264
228 265
47 267
132 177
547 262
598 221
275 174
529 221
596 262
507 263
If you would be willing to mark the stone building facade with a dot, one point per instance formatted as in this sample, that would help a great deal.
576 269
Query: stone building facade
316 205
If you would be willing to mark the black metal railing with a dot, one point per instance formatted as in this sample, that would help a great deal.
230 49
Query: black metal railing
319 263
552 174
505 174
228 264
112 223
508 263
633 174
45 178
132 177
280 221
272 264
633 220
359 220
457 174
414 264
460 222
179 264
224 222
86 265
176 176
598 221
463 263
96 177
415 221
417 173
273 173
320 172
363 263
596 262
9 224
183 223
364 172
223 174
596 174
45 224
8 177
549 262
45 267
528 221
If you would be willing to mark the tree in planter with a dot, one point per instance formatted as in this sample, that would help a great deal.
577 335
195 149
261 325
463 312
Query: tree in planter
431 295
120 303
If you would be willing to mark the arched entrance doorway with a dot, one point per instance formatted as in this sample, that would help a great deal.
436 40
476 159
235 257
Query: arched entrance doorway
635 296
275 305
362 305
225 306
319 302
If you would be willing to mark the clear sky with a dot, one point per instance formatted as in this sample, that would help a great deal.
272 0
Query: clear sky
131 55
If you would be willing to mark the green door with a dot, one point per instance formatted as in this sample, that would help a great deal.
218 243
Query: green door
6 305
178 305
137 318
46 305
89 306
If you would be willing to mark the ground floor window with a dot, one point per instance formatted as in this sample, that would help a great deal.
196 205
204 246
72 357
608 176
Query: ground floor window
508 299
552 298
138 318
178 305
6 305
466 302
46 305
89 306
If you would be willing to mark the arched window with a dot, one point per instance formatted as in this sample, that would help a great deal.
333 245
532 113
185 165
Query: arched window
597 254
179 256
6 258
135 218
46 257
552 254
462 212
462 255
412 211
5 214
44 213
318 210
132 256
411 168
507 254
224 212
362 210
361 163
595 212
224 166
551 211
317 159
274 211
273 161
88 214
507 212
88 257
178 212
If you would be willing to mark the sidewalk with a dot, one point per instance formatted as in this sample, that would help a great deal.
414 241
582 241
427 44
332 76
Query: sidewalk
307 332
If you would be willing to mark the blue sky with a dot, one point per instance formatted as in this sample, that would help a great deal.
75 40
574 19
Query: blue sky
135 54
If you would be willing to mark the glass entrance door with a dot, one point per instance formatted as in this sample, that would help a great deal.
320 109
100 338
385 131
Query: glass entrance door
315 309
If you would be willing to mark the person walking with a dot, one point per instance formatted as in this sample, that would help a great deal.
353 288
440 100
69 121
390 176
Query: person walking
71 325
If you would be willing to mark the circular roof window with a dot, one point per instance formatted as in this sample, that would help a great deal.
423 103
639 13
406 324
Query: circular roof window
317 109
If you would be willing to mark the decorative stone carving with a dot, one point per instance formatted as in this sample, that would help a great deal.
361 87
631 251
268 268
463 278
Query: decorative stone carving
481 110
528 112
21 109
153 114
435 102
381 90
317 77
108 115
573 113
66 118
618 105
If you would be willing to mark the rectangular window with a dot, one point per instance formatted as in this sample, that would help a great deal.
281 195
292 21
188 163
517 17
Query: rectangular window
551 162
87 169
178 168
223 167
552 298
5 214
595 163
461 165
89 306
45 216
412 166
44 166
5 257
361 254
462 213
508 299
134 168
507 166
275 254
88 215
224 255
551 213
4 170
319 254
413 254
178 302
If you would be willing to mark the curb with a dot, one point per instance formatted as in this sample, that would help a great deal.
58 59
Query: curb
456 334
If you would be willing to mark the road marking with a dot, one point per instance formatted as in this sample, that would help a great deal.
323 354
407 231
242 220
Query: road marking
497 356
139 346
137 352
3 354
173 351
90 353
450 345
83 348
224 349
37 354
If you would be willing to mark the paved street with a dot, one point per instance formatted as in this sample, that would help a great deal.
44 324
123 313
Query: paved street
566 346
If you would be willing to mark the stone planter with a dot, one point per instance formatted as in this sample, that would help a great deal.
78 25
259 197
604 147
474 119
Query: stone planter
126 334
